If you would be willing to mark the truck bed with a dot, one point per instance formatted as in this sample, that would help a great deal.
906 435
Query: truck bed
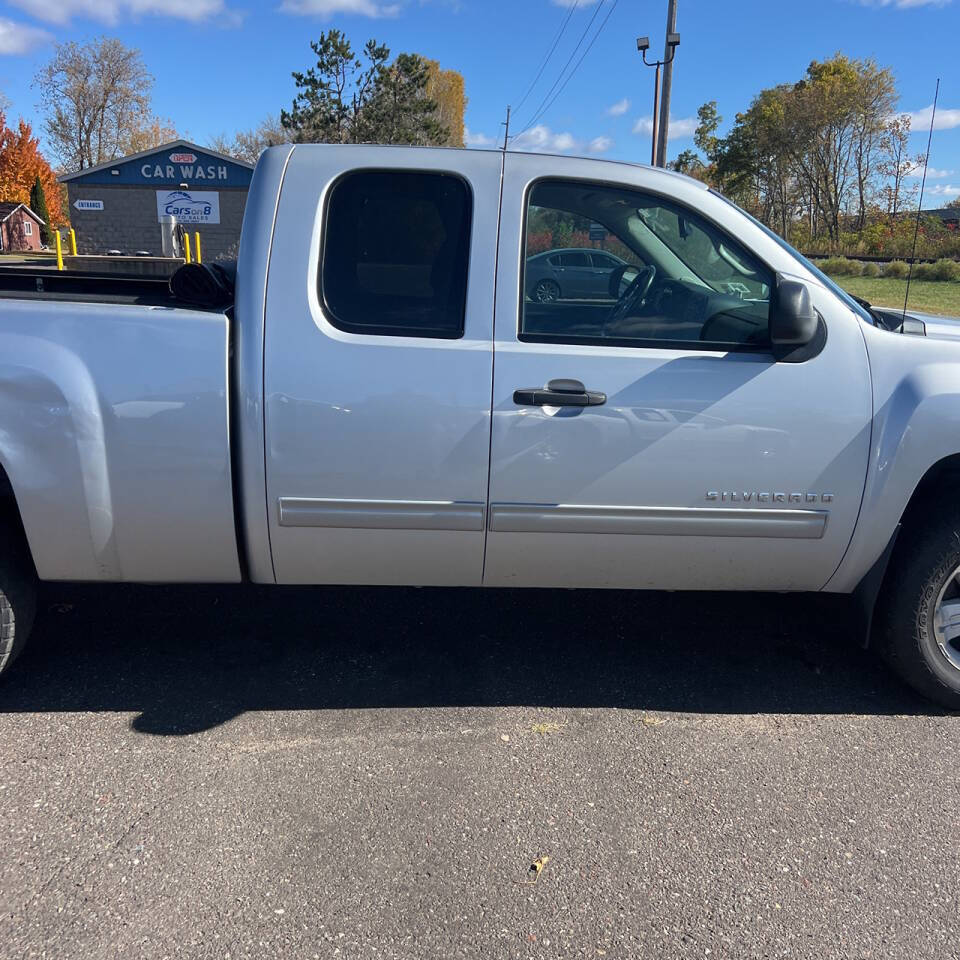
37 283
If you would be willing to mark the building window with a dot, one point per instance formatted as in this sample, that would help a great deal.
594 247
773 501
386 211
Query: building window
27 228
395 254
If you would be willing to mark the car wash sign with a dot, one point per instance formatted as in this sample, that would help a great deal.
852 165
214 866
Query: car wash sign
188 206
179 164
184 166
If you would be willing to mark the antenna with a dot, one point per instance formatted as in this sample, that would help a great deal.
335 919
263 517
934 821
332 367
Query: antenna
506 130
923 182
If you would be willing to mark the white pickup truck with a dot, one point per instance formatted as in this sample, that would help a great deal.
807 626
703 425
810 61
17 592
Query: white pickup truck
386 400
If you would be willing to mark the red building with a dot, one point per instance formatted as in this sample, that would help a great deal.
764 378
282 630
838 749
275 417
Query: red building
19 227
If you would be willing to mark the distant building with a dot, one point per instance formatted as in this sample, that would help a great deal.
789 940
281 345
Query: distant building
134 204
19 228
949 215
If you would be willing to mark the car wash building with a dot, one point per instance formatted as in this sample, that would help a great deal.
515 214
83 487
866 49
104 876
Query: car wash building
142 204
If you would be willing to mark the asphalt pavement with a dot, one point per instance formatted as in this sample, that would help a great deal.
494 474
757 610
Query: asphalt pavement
354 773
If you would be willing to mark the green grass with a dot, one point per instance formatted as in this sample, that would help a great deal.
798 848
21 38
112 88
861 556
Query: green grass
928 296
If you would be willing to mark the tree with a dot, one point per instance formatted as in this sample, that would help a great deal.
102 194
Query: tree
249 144
954 204
705 136
38 204
400 110
96 102
154 132
896 165
346 99
447 89
21 166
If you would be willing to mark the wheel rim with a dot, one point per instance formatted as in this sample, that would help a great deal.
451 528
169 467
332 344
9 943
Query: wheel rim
546 291
946 620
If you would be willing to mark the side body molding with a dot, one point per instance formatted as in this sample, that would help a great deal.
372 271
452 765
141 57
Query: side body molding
653 521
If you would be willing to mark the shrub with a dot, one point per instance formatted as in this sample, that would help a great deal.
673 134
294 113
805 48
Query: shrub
923 271
871 269
841 267
896 269
945 270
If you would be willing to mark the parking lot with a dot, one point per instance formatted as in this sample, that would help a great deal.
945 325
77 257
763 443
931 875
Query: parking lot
218 772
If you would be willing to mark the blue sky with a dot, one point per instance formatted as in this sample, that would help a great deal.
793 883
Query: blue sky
221 65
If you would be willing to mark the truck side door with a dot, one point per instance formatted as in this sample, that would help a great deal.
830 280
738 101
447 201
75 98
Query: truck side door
678 451
378 365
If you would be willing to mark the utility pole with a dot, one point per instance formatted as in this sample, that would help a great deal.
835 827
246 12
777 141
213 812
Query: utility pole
668 50
654 138
506 130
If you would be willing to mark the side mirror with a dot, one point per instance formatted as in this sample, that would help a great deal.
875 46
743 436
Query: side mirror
793 321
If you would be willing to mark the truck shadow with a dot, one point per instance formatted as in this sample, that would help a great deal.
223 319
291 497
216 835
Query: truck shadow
186 659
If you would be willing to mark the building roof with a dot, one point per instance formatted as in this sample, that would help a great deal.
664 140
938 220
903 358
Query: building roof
7 210
160 148
944 213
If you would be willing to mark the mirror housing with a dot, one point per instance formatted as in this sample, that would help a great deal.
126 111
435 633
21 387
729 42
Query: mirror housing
793 321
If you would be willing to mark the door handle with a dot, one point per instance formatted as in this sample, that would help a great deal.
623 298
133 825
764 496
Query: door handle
559 393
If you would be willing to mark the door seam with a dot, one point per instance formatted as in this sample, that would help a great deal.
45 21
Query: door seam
493 368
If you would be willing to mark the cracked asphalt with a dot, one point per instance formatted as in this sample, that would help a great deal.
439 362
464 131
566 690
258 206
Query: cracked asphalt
354 773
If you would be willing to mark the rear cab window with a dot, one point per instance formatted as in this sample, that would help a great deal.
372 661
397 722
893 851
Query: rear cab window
395 253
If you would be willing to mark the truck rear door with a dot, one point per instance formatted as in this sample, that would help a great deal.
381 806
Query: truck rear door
378 365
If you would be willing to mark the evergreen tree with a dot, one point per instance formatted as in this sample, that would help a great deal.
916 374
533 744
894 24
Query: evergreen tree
38 204
346 99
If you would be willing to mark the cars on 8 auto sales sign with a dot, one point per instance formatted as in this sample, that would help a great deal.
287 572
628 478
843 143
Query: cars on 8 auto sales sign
188 206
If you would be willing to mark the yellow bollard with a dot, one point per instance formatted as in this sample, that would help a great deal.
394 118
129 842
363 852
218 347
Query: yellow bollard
186 247
196 237
59 252
73 242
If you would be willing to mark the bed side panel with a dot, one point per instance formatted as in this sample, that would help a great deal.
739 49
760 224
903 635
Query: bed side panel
114 433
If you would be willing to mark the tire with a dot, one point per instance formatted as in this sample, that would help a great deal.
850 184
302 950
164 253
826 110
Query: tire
546 291
924 579
18 594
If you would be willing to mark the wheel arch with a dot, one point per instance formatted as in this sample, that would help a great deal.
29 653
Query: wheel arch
10 512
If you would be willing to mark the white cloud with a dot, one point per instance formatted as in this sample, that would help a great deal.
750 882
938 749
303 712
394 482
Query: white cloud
19 38
945 119
600 144
932 173
944 190
327 8
541 139
112 11
476 139
680 127
619 108
905 4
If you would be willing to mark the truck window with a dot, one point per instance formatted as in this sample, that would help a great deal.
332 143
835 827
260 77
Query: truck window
670 276
395 254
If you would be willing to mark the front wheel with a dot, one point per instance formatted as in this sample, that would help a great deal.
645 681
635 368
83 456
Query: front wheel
918 615
17 594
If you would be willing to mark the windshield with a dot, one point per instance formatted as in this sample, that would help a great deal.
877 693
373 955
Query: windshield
703 251
857 308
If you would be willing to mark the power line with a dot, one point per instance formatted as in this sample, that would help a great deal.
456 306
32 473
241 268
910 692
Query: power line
583 36
612 7
546 59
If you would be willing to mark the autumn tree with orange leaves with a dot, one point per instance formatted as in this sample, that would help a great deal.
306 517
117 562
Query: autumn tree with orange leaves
21 165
